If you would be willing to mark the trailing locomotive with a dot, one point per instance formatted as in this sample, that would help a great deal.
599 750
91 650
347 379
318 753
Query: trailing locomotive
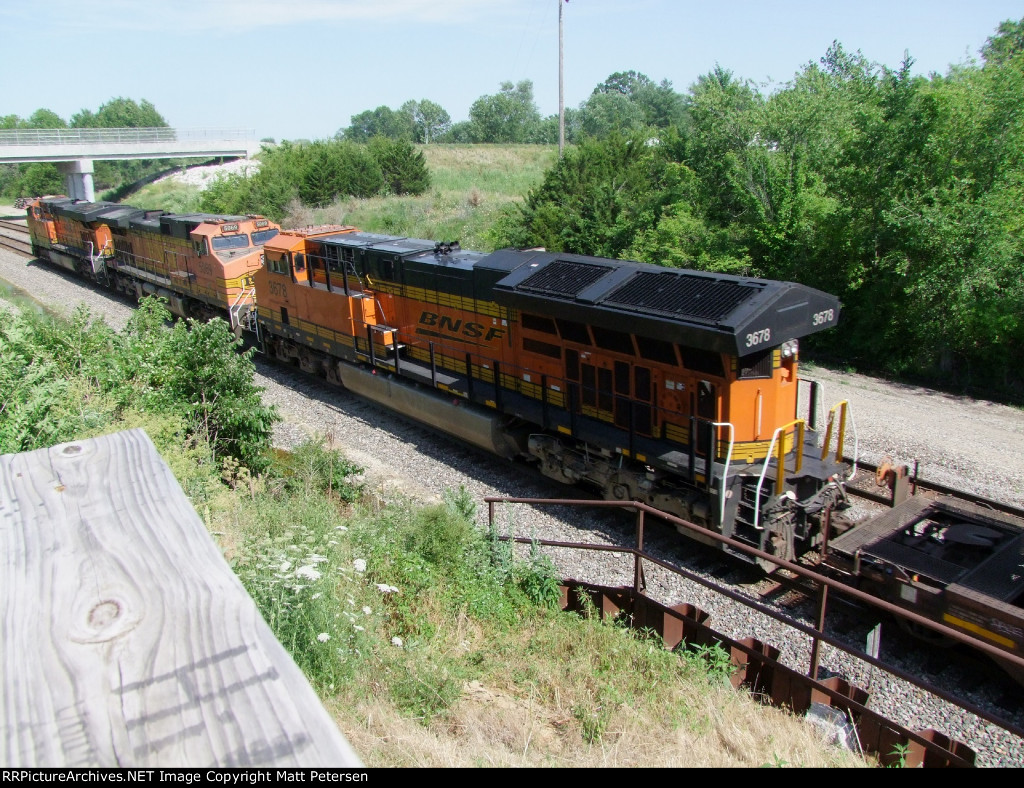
672 387
203 264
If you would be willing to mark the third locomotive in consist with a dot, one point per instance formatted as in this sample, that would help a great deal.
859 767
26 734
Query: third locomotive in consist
202 264
672 387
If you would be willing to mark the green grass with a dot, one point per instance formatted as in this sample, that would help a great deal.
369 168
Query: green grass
470 186
166 196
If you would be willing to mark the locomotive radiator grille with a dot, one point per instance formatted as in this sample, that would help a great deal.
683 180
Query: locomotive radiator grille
681 295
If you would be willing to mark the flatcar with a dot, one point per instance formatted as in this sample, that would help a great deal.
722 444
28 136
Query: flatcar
677 388
956 562
202 264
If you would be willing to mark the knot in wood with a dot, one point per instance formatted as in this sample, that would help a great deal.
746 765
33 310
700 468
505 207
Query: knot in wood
104 614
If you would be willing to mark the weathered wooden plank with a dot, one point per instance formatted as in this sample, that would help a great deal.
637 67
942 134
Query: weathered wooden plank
126 638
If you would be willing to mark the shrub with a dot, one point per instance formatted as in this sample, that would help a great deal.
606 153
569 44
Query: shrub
404 168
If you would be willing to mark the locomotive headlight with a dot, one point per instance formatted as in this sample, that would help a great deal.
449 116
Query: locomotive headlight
790 348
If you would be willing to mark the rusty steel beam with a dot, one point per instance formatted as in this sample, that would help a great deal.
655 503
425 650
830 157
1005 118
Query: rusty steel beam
757 668
816 634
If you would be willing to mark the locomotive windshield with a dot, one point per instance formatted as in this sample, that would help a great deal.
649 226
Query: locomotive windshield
224 242
260 237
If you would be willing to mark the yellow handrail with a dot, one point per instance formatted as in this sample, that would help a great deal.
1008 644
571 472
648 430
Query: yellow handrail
799 438
840 435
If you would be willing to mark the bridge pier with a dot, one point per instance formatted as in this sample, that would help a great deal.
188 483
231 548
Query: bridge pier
78 179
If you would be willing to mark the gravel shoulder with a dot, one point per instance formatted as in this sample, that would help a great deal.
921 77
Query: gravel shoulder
960 442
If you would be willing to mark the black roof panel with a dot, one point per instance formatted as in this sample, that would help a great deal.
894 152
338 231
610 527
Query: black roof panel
84 211
717 312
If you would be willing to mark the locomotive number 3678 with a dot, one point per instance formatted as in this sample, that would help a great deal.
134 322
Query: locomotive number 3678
759 337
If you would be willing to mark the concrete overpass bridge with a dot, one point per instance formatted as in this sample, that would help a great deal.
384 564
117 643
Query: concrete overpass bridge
75 150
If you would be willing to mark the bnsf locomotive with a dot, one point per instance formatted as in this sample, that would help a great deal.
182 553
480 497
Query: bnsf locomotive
202 264
672 387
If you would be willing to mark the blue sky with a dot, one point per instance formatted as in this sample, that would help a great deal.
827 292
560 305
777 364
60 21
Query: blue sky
291 69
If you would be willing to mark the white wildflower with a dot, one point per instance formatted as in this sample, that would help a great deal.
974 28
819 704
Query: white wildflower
366 610
341 528
308 572
396 641
358 628
384 588
317 559
323 637
285 566
359 564
317 595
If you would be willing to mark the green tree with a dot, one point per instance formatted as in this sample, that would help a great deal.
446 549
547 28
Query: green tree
404 168
432 121
196 370
39 180
606 112
510 116
596 198
121 113
658 104
380 122
722 129
45 119
1007 43
213 382
332 169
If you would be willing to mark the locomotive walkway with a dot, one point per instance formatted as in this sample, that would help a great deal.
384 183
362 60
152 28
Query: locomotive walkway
75 150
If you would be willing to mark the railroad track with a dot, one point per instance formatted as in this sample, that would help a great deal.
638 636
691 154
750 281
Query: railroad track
14 236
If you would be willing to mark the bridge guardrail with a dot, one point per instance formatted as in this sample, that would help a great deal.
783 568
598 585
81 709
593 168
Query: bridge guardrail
118 136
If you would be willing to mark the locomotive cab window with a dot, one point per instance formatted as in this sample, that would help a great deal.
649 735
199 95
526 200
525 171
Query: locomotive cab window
278 264
300 262
260 237
223 243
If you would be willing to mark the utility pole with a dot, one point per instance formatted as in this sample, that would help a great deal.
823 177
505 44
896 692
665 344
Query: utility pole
561 93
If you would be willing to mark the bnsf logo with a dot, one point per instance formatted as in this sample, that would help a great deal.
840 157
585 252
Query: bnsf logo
467 329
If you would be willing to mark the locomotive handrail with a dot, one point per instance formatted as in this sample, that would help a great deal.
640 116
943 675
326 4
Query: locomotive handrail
782 465
235 309
728 459
844 410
